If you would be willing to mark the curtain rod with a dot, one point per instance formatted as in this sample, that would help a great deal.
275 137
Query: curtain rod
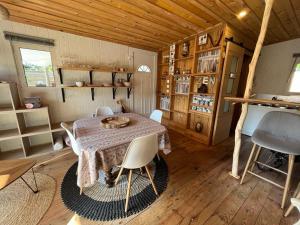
29 39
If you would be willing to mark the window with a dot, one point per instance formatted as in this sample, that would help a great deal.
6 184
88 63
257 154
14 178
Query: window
144 68
295 80
37 67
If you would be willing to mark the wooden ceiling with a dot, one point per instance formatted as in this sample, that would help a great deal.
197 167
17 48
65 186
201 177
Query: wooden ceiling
153 24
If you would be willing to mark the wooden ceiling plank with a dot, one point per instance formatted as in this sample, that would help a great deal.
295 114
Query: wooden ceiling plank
78 27
172 7
105 19
83 25
97 9
292 15
142 12
86 18
276 31
76 32
164 13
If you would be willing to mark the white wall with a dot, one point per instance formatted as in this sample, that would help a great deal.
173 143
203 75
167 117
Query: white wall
77 49
274 66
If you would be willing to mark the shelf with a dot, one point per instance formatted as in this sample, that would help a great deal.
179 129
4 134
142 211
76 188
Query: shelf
88 87
109 70
203 106
208 49
9 134
22 110
12 154
39 150
200 113
6 109
180 94
204 74
205 94
57 128
184 58
35 130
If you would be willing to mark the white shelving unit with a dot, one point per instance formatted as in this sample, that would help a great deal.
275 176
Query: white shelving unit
14 126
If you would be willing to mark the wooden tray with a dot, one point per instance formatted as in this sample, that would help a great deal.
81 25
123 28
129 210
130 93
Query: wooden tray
115 122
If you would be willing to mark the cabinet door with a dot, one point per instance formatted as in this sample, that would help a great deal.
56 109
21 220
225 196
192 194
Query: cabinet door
229 85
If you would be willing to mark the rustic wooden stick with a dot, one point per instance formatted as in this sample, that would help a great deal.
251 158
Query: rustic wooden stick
248 89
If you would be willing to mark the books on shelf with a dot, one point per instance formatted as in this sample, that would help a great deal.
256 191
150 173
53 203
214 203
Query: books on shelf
165 102
208 62
182 85
202 103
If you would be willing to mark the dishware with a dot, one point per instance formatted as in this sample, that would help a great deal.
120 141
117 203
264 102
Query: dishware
79 83
115 122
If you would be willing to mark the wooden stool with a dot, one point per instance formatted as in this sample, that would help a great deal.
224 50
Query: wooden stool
277 131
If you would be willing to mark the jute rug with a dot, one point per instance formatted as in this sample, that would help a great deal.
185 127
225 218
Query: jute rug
104 204
20 206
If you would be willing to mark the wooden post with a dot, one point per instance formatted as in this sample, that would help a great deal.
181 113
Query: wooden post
248 90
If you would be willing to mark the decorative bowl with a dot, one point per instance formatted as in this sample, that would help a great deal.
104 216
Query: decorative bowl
127 84
79 83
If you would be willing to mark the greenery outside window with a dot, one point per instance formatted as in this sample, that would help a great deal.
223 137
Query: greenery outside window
37 67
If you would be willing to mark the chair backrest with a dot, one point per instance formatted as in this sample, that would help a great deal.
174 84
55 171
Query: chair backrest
74 144
141 151
156 115
104 111
283 125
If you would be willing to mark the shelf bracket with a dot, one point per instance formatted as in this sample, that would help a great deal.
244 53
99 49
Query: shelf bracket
129 92
113 78
114 90
129 75
61 82
91 82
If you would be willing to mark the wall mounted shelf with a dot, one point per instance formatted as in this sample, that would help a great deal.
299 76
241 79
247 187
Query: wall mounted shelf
91 74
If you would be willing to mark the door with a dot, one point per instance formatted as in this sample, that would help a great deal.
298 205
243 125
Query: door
144 81
229 88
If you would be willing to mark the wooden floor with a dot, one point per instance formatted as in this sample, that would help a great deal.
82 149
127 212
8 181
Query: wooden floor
200 191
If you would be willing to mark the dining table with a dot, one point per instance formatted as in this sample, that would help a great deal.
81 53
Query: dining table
104 149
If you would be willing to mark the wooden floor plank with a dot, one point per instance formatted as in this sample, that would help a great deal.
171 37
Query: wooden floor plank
199 191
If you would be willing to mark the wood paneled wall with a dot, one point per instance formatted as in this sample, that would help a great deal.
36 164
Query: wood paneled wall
78 49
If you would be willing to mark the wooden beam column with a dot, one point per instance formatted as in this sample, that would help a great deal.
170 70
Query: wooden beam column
248 90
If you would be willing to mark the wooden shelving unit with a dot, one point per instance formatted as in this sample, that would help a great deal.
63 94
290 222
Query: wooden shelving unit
91 75
18 130
183 113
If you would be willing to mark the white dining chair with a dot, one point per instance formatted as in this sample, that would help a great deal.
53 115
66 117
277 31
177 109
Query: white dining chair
74 144
140 153
104 111
156 115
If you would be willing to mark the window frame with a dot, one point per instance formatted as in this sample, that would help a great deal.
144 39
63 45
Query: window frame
19 63
292 77
143 71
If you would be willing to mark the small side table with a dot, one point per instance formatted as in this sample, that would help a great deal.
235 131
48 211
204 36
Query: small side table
11 170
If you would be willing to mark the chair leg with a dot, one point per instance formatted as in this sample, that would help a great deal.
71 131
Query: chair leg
119 174
291 206
128 190
288 179
248 163
81 189
153 185
255 158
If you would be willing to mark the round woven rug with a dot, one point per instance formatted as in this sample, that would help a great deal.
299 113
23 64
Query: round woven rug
19 205
104 204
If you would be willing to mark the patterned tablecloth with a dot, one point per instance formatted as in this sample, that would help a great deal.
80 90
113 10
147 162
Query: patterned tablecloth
104 148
